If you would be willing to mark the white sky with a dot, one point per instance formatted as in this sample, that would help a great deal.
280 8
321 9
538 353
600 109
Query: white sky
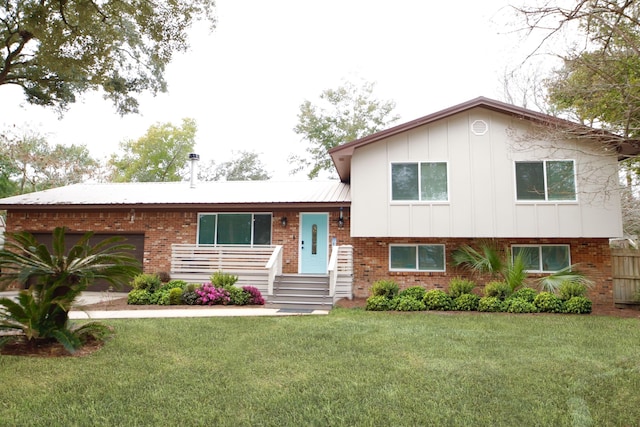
244 83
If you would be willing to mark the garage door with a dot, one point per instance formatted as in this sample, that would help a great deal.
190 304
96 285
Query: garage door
137 240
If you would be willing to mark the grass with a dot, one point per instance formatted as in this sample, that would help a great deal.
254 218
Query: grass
349 368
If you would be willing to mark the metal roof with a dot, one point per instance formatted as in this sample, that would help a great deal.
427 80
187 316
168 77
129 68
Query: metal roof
173 194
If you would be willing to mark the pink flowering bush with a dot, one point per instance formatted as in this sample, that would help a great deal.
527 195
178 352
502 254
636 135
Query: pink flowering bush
210 295
256 296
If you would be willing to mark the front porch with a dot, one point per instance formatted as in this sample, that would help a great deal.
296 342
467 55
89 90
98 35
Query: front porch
261 267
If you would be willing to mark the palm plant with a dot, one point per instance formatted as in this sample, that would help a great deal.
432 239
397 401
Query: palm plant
55 279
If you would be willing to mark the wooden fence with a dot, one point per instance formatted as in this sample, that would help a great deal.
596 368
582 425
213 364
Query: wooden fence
625 266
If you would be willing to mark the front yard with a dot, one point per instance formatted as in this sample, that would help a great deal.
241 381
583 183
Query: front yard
349 368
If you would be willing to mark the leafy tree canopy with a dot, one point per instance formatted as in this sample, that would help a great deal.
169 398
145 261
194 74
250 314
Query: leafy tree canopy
343 114
160 155
57 49
247 166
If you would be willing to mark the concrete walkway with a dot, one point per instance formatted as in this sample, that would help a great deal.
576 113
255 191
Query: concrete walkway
87 298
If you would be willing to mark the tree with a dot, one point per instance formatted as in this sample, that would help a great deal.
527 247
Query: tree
58 49
56 278
246 167
344 114
160 155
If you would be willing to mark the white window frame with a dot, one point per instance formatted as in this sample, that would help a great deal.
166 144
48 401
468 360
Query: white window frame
546 185
417 245
539 247
420 201
215 234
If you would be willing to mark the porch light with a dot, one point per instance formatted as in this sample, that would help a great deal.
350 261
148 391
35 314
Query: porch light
283 221
340 220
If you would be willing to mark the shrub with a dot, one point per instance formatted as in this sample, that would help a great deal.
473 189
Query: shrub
161 297
164 276
547 302
459 286
147 282
255 297
520 305
498 290
175 296
527 294
466 302
237 296
173 284
569 290
223 280
384 288
138 297
578 305
437 299
490 304
415 292
210 295
189 296
408 303
378 303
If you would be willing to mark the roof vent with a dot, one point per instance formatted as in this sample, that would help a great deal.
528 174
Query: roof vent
479 127
193 158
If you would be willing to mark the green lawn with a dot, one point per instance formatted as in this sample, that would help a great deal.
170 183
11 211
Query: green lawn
351 367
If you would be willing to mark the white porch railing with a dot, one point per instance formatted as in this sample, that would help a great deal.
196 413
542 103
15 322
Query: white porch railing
274 266
341 272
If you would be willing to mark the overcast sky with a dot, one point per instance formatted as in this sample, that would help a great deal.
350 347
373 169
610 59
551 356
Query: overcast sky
244 82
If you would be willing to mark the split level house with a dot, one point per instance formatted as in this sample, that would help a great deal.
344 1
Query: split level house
406 198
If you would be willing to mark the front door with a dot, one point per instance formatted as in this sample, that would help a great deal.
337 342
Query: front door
314 243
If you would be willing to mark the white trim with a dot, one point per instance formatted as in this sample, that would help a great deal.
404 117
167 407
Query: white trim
416 245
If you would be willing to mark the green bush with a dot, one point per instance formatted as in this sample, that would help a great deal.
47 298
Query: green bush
415 292
459 286
498 290
547 302
173 284
146 282
175 296
378 303
466 302
520 305
578 305
407 303
385 288
437 299
569 290
138 297
162 298
189 295
238 296
223 280
490 304
527 294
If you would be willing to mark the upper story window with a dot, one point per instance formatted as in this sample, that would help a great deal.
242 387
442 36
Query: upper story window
548 180
543 258
234 229
422 181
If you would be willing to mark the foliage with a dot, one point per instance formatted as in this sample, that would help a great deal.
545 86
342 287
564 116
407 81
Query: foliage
553 282
57 50
490 304
489 259
246 167
190 296
160 155
437 299
175 296
466 302
548 302
146 281
344 114
56 278
415 292
459 286
578 305
408 303
378 303
385 288
223 280
519 305
172 284
210 295
165 276
569 290
527 294
255 297
237 296
499 290
139 297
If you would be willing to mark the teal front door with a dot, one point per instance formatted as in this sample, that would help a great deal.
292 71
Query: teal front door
314 243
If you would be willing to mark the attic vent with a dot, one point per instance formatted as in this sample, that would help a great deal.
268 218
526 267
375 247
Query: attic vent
479 127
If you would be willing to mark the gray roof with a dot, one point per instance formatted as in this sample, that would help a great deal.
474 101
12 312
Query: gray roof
174 194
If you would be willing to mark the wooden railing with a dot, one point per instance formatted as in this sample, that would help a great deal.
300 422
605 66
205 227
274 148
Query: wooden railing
255 266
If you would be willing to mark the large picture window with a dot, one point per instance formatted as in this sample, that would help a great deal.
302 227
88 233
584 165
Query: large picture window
543 258
425 181
234 229
416 257
549 180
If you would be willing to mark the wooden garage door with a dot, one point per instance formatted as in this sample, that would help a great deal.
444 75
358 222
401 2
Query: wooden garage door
137 240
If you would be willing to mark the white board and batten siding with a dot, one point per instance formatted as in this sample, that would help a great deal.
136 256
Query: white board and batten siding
481 184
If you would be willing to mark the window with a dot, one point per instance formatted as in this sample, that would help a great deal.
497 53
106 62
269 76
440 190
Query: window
234 229
543 258
419 181
416 257
548 180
